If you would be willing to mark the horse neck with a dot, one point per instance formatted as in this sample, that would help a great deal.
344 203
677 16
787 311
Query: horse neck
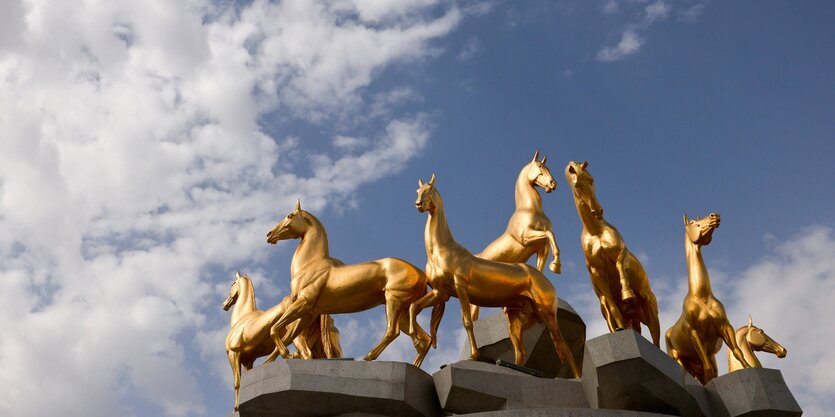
313 245
747 352
437 231
245 302
698 279
591 224
526 195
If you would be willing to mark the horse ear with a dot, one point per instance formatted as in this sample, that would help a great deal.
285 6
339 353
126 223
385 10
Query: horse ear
544 158
432 180
750 323
536 156
299 205
686 220
420 182
237 274
571 169
585 164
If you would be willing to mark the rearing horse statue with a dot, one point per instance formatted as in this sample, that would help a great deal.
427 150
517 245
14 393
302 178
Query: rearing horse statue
526 295
321 284
618 279
751 338
249 331
529 229
697 336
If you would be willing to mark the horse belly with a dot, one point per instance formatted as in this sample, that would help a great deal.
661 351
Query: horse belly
495 284
352 288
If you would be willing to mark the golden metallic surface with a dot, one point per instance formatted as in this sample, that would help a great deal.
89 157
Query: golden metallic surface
525 294
321 284
697 336
529 229
617 277
752 339
249 334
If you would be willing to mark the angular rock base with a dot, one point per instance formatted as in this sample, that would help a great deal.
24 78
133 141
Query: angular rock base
296 387
567 412
752 392
494 343
470 387
624 371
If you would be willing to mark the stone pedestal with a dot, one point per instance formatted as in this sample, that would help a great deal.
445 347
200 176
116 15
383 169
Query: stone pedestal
494 343
296 387
624 371
469 387
567 412
752 392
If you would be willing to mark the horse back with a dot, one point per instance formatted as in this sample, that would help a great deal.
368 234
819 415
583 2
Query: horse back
492 283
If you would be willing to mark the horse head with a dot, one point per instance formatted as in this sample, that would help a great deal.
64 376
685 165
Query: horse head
700 230
582 184
759 341
427 195
234 292
539 174
291 226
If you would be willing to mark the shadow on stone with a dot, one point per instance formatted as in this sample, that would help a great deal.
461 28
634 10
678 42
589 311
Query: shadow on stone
624 371
296 387
469 387
752 392
494 343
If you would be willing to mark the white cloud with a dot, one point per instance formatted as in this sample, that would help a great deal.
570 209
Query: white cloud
633 36
133 167
692 13
790 295
610 7
470 49
384 103
629 43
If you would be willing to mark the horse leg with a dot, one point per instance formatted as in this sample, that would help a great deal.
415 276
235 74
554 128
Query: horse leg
305 336
546 309
515 331
474 310
556 266
707 373
431 298
729 336
541 258
293 312
235 362
421 341
394 308
622 265
464 299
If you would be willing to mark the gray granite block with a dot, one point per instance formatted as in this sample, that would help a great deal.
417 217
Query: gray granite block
752 392
494 343
469 387
567 412
624 371
296 387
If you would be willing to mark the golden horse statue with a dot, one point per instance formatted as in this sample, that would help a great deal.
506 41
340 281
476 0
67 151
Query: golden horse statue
697 336
529 229
751 338
249 334
321 284
525 294
618 279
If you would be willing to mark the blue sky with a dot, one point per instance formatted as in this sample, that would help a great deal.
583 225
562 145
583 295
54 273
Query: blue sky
146 151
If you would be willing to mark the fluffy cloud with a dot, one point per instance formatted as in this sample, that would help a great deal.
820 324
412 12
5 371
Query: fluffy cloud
633 36
133 167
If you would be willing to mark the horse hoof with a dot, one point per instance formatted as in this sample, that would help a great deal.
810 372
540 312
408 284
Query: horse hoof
627 294
555 268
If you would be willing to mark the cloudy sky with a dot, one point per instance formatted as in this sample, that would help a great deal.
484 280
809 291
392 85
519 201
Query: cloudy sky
147 147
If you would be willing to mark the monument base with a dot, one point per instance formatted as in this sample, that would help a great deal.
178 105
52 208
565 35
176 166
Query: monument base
296 387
